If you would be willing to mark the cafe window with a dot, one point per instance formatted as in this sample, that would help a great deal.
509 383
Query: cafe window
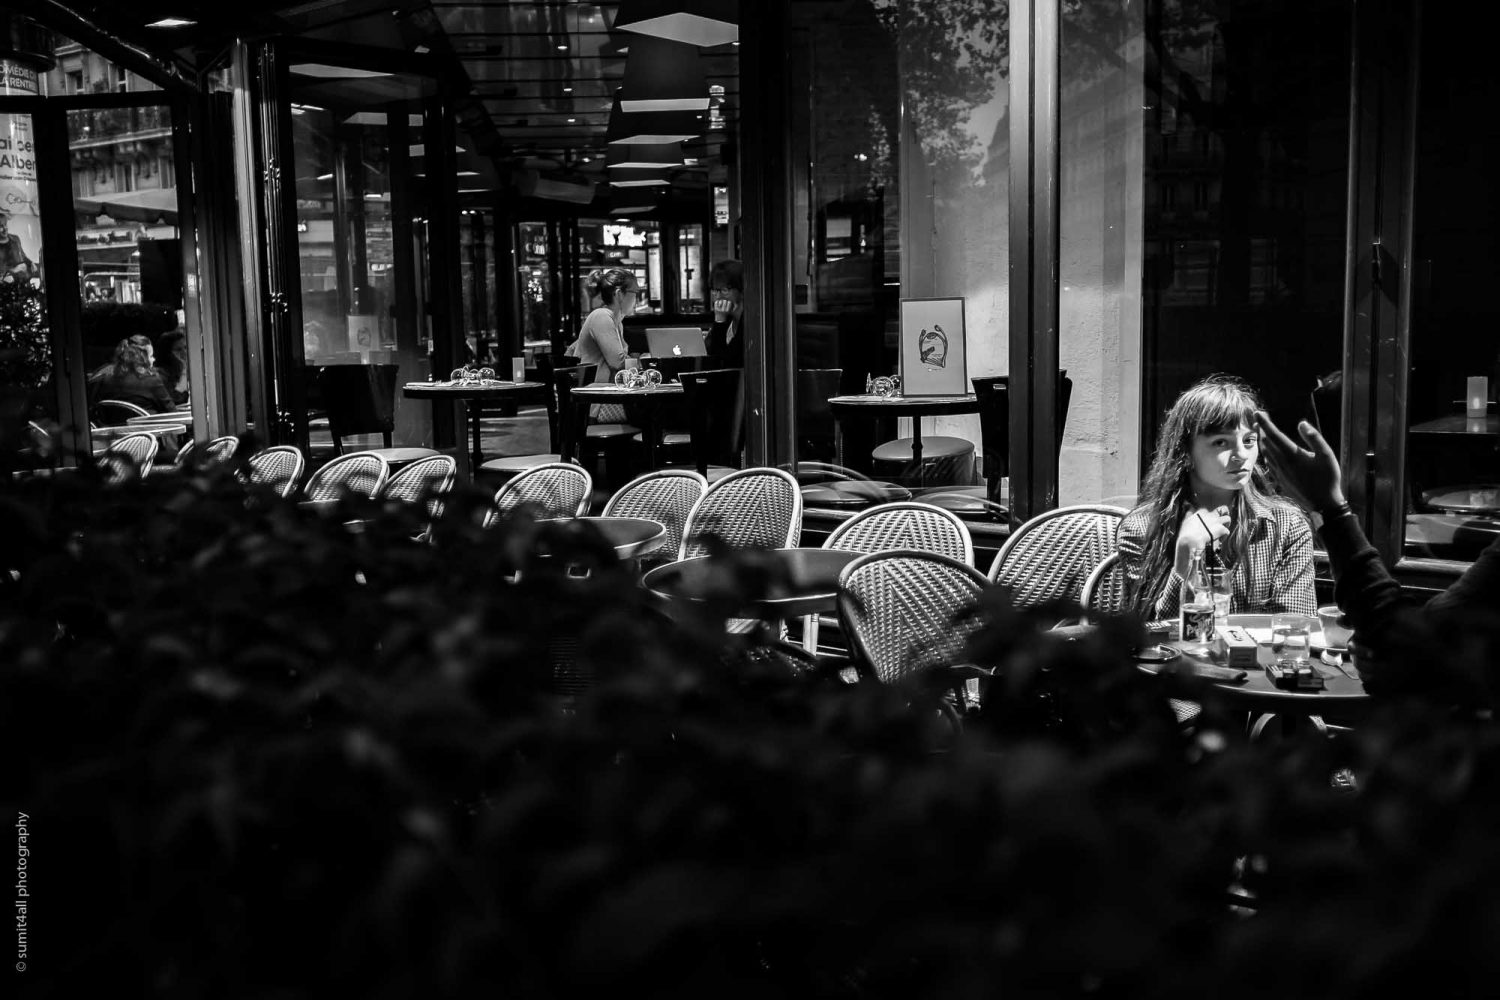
909 163
903 134
1451 494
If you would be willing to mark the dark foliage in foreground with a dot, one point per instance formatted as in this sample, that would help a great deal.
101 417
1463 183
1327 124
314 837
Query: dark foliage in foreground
263 755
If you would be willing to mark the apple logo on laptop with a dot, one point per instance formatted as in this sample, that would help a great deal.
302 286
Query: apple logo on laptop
677 350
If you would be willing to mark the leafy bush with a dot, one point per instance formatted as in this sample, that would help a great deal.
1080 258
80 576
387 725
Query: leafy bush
264 755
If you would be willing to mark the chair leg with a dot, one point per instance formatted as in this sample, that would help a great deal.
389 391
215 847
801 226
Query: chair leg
810 634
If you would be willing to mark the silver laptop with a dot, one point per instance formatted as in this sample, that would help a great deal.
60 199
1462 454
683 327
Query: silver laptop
676 341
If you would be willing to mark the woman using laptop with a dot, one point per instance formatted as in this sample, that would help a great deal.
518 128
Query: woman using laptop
726 290
601 341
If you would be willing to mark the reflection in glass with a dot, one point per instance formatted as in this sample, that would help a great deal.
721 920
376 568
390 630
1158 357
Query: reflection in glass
130 273
1453 443
360 342
28 402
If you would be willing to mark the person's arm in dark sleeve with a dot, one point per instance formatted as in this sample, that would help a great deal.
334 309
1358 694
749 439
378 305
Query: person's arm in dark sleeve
1478 588
1363 586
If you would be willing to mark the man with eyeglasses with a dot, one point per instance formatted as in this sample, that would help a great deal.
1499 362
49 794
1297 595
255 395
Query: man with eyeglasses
726 341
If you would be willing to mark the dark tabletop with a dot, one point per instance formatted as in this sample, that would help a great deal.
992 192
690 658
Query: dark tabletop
1458 423
798 581
908 406
1473 498
443 390
608 390
1342 688
630 536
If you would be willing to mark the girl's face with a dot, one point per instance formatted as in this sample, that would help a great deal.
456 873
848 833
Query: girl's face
1225 459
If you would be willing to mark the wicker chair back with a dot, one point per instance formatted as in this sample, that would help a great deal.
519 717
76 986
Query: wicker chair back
1050 556
904 610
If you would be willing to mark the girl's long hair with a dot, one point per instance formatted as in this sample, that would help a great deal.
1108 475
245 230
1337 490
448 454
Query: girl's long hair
132 355
1217 404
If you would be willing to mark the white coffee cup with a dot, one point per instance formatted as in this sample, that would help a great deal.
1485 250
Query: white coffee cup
1334 633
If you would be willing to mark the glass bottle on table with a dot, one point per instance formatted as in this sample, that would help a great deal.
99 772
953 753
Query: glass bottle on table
1217 577
1196 605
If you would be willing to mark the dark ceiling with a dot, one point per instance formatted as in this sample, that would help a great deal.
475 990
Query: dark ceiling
541 74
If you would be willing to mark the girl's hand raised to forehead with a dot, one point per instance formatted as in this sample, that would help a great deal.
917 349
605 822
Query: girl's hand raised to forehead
1198 530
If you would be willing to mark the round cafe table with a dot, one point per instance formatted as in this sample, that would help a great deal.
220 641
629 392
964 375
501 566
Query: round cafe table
915 407
1343 693
631 537
1474 498
800 582
473 396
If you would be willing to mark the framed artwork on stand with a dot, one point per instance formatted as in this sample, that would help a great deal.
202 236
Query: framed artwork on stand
934 355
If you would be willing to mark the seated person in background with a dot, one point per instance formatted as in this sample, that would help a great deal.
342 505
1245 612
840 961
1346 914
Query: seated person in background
171 364
132 377
1400 633
726 293
1205 486
601 341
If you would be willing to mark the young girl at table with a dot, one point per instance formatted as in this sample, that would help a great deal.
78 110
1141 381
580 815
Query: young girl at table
1207 487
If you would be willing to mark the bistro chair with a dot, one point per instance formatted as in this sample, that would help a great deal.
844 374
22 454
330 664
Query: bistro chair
716 420
758 508
816 429
1050 557
1104 590
910 525
113 412
278 467
423 482
578 436
129 457
358 399
508 465
667 495
988 502
219 451
557 489
748 508
903 611
359 474
1104 594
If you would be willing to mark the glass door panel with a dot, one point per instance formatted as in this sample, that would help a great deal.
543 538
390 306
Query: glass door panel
361 214
130 277
1453 439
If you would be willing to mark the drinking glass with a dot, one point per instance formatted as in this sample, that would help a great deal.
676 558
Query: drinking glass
1290 639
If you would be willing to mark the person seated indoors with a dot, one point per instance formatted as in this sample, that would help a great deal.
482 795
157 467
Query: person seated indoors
601 340
726 295
1402 646
1207 486
132 377
172 365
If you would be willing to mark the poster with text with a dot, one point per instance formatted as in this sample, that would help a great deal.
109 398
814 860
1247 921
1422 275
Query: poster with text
934 358
20 227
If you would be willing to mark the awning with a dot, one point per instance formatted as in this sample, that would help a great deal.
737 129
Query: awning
146 205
